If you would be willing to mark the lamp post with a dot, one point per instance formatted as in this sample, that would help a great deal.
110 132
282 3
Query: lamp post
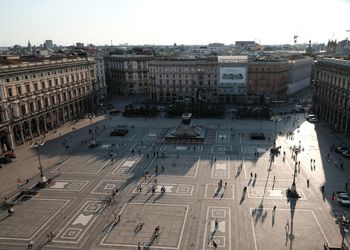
37 145
292 192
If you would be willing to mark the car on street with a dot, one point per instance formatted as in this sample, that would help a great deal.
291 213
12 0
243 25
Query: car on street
120 130
342 148
343 198
310 117
5 160
346 153
313 120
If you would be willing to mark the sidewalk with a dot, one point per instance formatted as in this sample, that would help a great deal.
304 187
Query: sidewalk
25 166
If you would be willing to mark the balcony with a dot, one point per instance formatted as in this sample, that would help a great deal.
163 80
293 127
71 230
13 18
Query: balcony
11 98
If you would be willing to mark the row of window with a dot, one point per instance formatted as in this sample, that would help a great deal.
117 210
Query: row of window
334 79
45 84
44 73
173 89
185 75
182 69
46 102
128 65
334 97
186 82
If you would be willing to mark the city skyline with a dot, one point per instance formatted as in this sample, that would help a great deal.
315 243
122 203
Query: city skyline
159 22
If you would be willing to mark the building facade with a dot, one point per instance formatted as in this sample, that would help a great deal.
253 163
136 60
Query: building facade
299 77
183 79
232 74
99 86
331 92
40 94
127 74
268 77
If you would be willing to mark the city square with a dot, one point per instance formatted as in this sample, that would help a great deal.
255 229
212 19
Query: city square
194 192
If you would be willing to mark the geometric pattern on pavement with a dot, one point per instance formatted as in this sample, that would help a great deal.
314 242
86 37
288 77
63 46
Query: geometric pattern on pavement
171 219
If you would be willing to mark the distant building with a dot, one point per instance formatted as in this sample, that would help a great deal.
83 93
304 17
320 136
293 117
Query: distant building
216 44
48 44
299 77
343 48
100 87
127 73
245 43
183 79
232 74
79 45
331 88
40 94
268 77
331 47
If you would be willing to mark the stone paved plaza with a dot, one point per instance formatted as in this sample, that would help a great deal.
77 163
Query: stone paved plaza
96 201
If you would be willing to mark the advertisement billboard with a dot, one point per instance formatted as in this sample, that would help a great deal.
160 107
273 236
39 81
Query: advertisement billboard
233 80
232 75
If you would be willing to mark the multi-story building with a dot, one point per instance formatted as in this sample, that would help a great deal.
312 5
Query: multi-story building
331 90
299 77
183 79
39 94
268 77
232 74
99 86
127 73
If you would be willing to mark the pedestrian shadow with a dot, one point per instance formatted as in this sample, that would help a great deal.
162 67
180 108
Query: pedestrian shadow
239 170
158 197
250 181
148 198
152 241
254 181
110 226
292 203
217 192
259 214
4 218
222 194
242 199
138 228
132 197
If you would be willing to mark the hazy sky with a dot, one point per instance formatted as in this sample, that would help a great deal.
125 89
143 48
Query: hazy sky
172 21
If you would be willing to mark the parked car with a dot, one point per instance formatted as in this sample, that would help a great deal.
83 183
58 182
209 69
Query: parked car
5 160
311 116
343 198
346 153
342 148
10 155
313 120
114 112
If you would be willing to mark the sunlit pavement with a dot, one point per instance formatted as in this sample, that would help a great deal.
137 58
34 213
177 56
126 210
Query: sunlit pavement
77 206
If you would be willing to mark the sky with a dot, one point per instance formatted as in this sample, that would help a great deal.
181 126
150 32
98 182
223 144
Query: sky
167 22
